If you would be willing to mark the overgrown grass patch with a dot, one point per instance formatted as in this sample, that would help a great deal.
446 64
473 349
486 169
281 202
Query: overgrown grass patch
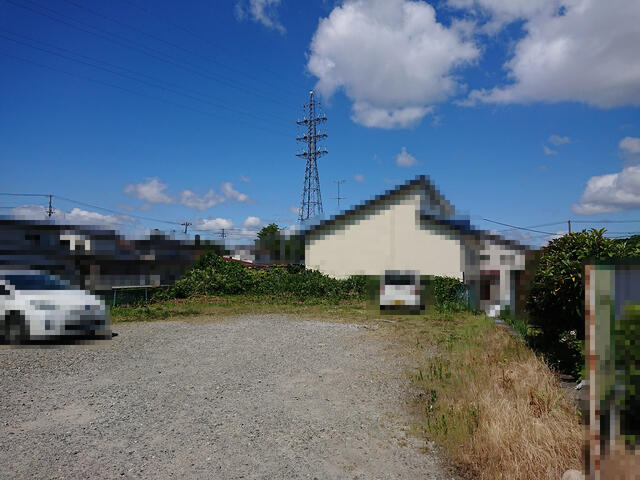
488 400
232 305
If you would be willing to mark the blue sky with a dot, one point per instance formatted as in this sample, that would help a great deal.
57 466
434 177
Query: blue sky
524 112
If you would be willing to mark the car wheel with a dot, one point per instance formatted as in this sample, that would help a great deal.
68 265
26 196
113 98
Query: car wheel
15 329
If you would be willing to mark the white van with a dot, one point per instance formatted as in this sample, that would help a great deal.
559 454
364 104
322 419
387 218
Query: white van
400 290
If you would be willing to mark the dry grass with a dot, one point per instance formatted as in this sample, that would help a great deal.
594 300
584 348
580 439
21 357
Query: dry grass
491 403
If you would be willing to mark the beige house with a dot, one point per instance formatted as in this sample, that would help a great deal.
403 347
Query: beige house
413 227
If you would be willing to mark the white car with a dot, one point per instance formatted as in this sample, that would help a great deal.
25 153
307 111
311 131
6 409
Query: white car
35 306
400 290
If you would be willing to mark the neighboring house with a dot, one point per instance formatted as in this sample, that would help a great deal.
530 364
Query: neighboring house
94 258
244 253
413 227
501 263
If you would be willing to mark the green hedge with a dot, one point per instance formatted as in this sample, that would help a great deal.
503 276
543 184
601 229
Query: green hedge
448 293
212 275
555 302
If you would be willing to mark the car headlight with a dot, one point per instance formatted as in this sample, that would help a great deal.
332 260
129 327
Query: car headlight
43 305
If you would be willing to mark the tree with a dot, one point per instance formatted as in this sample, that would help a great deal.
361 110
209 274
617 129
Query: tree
556 296
268 231
269 240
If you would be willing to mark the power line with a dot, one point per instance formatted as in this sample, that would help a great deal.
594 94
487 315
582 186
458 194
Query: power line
595 222
134 77
135 92
25 194
174 45
535 226
516 227
216 46
116 211
228 231
129 44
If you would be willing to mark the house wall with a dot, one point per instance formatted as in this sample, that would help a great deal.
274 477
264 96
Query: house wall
389 239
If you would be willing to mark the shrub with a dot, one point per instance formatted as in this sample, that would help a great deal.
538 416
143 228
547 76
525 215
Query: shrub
448 294
212 275
556 298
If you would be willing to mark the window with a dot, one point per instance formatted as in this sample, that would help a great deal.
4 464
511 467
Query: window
399 280
35 282
507 259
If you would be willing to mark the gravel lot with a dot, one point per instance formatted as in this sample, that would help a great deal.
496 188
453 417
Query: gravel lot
262 396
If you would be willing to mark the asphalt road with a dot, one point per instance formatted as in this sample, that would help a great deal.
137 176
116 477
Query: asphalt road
253 397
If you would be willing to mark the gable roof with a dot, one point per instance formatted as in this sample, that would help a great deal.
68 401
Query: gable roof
421 184
441 215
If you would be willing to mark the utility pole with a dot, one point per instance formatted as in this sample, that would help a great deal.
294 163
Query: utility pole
569 222
50 209
223 234
338 198
311 203
186 225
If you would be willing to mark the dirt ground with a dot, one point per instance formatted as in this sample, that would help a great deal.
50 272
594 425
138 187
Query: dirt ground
262 396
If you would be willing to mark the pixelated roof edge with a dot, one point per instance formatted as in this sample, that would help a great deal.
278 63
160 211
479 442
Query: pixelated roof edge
420 180
53 225
95 231
462 225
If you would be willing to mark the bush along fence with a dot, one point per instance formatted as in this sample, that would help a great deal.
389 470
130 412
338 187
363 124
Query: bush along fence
555 302
449 294
213 275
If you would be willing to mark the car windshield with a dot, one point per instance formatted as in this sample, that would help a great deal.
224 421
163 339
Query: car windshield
34 282
399 280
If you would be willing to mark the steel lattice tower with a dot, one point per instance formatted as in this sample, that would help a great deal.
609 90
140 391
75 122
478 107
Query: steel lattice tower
311 203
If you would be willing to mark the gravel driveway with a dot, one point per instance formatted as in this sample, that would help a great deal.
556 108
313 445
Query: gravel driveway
261 396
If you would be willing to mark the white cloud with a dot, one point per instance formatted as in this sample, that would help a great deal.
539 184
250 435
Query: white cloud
548 151
245 179
358 177
29 212
294 210
230 193
405 159
262 11
213 224
630 145
498 13
200 202
573 50
79 216
559 140
151 191
391 57
611 193
210 199
76 216
251 222
630 149
370 116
